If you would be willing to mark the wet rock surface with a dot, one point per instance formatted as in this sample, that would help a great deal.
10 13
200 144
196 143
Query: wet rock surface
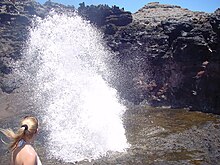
156 136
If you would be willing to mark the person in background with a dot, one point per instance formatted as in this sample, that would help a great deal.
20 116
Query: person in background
22 151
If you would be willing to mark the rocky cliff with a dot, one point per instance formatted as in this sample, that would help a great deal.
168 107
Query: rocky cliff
163 54
169 56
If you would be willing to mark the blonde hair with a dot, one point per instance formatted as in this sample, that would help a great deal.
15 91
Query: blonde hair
28 127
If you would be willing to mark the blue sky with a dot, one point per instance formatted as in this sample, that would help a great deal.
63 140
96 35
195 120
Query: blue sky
133 5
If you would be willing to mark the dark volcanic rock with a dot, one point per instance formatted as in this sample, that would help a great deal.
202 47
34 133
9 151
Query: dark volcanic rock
163 54
16 18
169 56
102 15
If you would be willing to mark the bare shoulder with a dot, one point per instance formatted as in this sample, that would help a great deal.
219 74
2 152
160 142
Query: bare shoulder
29 150
25 156
29 155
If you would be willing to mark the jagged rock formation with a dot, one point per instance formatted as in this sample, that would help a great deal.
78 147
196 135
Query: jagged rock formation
153 13
104 15
15 19
170 56
164 54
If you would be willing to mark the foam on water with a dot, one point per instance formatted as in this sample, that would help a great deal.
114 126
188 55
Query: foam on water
81 113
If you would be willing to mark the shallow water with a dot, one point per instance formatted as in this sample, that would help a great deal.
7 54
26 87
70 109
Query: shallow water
156 136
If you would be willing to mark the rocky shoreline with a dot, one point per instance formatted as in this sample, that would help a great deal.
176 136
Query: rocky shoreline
156 136
164 55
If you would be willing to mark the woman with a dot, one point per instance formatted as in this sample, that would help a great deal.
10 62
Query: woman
22 151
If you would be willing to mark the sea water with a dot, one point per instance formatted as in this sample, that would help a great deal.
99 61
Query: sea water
65 62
